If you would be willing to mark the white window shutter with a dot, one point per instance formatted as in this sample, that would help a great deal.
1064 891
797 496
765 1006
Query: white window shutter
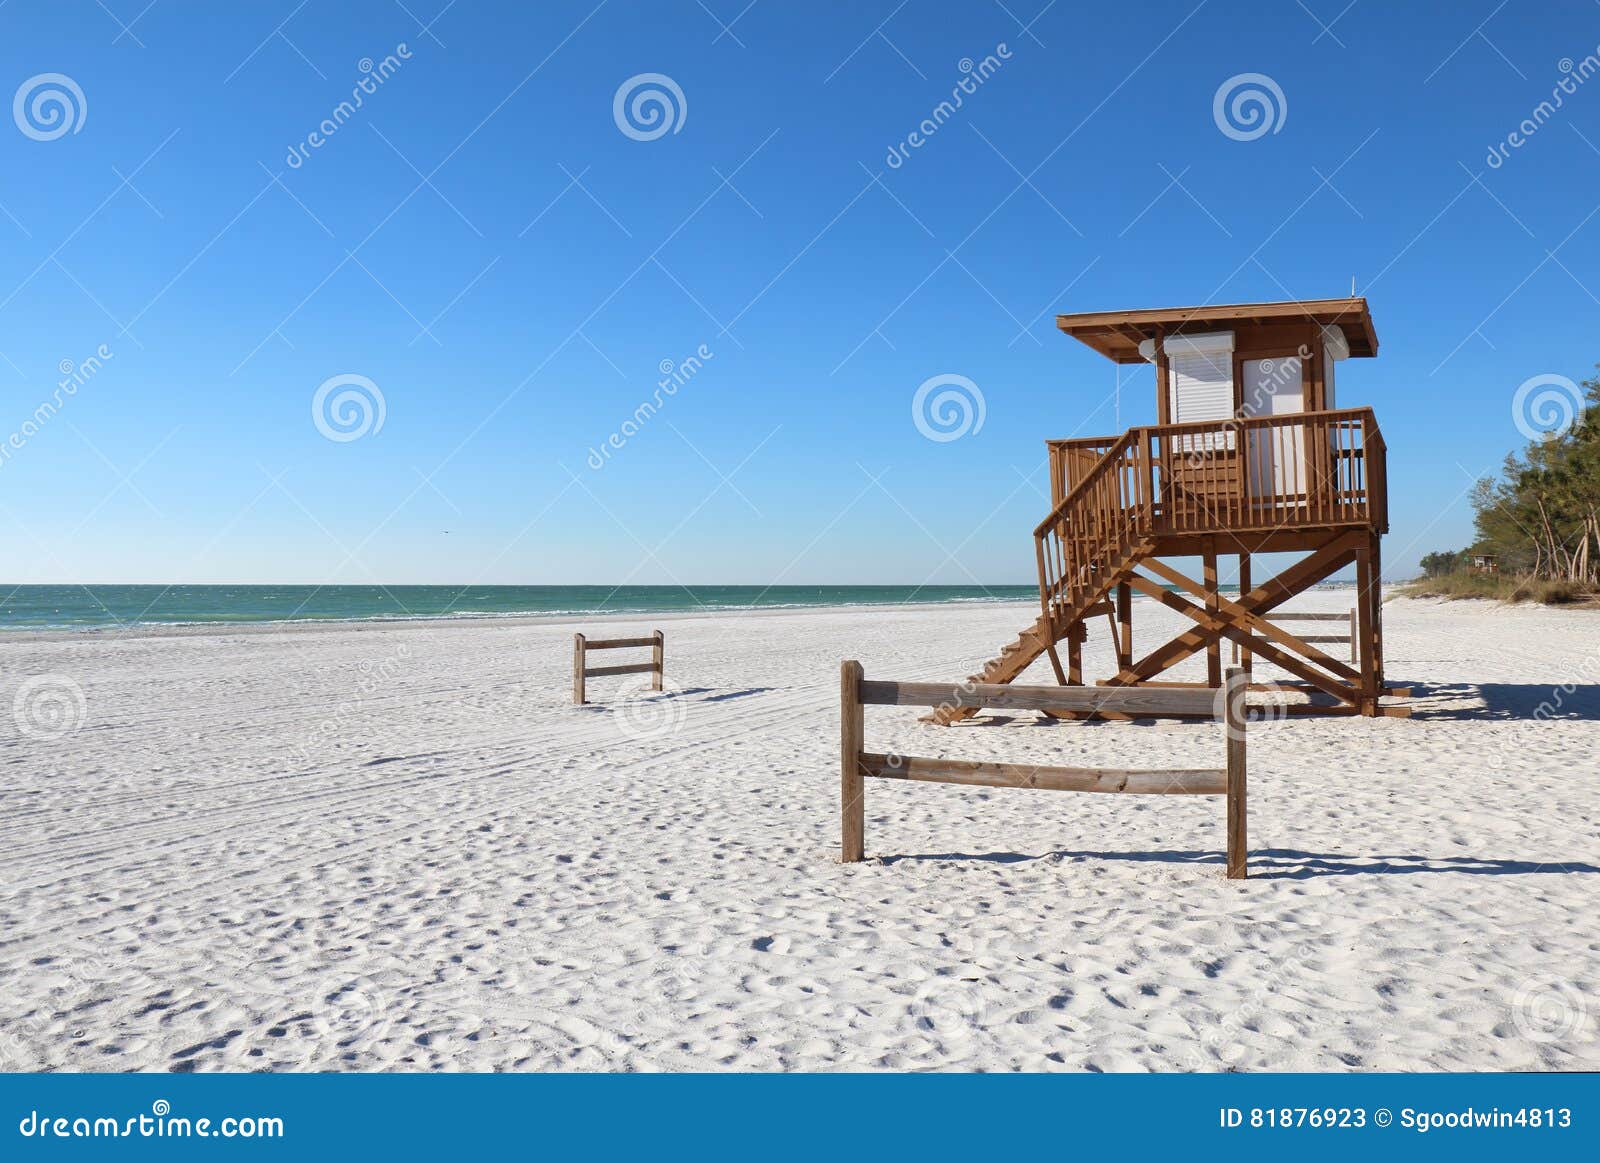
1201 373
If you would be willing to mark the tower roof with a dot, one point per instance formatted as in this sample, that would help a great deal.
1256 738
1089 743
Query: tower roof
1117 334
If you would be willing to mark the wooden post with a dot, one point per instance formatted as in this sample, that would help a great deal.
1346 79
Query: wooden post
852 733
1214 649
1163 394
1355 635
1124 626
1375 630
1368 699
1246 658
1075 638
1233 712
577 669
658 659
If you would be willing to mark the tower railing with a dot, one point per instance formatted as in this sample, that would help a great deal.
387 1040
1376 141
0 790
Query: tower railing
1253 474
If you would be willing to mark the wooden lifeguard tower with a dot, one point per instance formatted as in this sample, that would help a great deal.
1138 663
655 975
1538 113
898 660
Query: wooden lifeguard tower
1251 456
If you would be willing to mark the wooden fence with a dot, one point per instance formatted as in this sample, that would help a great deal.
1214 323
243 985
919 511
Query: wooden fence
857 765
1351 636
581 670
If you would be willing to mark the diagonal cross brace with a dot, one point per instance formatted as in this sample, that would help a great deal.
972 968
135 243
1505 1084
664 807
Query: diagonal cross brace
1335 555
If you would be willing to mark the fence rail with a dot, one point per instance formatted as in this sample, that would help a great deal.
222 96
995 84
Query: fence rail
581 670
857 765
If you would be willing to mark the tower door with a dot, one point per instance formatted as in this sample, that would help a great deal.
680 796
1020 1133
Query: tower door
1276 454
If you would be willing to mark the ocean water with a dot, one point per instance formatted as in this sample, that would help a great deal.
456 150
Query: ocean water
78 607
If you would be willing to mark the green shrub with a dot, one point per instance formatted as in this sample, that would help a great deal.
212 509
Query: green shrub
1500 587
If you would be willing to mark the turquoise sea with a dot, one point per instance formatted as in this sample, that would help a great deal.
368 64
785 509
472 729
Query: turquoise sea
78 607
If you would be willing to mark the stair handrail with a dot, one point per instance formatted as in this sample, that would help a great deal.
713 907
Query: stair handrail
1089 479
1075 569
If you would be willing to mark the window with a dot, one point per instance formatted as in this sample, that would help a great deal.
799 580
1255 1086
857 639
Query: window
1200 374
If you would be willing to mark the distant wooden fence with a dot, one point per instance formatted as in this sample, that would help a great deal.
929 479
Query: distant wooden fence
581 670
1350 636
858 765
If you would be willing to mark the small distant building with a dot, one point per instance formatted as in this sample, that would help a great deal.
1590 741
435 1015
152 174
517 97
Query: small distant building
1485 563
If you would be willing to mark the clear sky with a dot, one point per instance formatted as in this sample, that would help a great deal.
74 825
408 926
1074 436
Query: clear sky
485 243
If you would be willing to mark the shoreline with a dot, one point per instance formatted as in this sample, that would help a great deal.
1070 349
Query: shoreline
297 625
302 625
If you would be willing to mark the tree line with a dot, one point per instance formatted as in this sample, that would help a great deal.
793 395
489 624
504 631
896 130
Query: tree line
1540 518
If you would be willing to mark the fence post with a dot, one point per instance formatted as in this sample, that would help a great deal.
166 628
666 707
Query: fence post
577 669
658 657
852 728
1354 636
1235 692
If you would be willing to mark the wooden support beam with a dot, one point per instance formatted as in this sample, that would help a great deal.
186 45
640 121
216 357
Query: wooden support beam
1199 781
1055 663
1262 625
1245 657
1036 698
658 658
852 735
625 668
1367 664
1375 627
1124 626
1163 395
577 669
1211 626
1214 647
1334 555
619 643
1234 725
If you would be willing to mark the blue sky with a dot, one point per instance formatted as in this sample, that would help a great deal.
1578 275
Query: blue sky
484 244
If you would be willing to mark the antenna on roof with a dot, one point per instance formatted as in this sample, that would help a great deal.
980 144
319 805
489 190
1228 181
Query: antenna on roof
1352 286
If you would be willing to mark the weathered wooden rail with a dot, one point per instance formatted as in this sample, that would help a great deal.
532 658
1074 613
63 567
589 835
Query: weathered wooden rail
857 765
581 670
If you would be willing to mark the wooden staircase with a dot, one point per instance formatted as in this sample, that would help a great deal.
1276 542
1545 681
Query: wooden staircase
1090 542
1014 658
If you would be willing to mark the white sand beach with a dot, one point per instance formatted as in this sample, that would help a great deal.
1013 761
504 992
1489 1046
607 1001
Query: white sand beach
398 846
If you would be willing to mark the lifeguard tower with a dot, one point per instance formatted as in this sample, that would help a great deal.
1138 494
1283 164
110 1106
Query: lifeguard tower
1251 455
